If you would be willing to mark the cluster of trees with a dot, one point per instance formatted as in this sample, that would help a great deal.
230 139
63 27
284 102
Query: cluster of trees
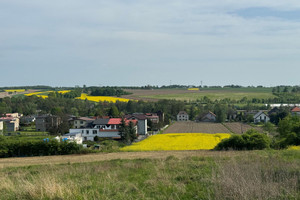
107 91
289 132
21 148
251 140
127 132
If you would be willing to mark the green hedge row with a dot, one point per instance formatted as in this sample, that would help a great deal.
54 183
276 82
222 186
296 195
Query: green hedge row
37 148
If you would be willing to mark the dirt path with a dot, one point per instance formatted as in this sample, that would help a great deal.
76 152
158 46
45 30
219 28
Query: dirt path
46 160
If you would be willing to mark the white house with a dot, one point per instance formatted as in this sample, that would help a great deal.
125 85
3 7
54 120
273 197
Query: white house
209 117
103 128
182 116
261 117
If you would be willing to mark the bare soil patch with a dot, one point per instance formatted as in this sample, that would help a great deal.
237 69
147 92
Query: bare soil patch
6 94
239 128
195 127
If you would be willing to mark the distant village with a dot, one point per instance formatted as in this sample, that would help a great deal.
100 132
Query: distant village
87 128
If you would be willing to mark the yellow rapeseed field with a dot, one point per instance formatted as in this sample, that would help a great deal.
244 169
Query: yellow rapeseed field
64 91
178 141
294 148
37 93
101 98
193 89
16 90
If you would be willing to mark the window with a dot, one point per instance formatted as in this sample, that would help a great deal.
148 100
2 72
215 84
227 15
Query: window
82 131
81 122
87 131
94 131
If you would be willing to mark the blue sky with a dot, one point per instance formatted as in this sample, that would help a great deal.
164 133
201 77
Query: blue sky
131 42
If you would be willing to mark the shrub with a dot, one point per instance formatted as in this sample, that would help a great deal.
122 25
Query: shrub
251 140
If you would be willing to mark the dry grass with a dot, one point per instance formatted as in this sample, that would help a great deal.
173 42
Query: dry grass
158 175
260 178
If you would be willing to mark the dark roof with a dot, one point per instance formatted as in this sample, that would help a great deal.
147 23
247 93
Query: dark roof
136 116
101 121
259 113
85 119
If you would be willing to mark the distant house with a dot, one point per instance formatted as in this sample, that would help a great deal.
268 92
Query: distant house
82 122
182 116
153 117
12 121
142 122
46 122
26 120
295 111
209 117
261 116
103 128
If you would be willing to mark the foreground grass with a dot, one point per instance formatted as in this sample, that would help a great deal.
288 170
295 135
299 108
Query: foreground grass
245 175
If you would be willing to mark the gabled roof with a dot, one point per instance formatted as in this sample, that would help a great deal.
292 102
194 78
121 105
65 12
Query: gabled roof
259 113
114 121
295 109
136 116
101 121
85 119
182 113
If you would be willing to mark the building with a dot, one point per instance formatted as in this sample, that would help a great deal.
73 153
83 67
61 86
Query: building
12 121
82 122
26 120
153 117
182 116
142 122
46 122
295 111
209 117
103 128
261 116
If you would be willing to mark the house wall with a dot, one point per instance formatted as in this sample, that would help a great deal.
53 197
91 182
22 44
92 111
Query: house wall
182 117
262 118
1 126
90 133
142 127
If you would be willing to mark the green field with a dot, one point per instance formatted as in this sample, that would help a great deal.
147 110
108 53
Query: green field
214 95
211 175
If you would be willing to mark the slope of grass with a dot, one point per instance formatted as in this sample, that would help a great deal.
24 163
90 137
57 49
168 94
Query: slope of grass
243 175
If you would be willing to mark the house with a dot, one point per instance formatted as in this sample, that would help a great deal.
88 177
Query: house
141 120
182 116
103 128
82 122
261 116
46 122
209 117
26 120
12 121
295 111
153 117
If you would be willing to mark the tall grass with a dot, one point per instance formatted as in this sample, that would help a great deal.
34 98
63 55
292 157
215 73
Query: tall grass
249 176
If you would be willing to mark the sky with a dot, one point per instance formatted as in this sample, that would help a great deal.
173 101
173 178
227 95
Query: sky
136 43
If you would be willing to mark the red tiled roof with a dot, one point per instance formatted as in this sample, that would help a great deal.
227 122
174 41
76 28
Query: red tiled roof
114 121
295 109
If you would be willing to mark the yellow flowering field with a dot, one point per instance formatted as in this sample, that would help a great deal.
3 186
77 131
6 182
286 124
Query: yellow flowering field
64 91
193 89
178 141
36 93
16 90
101 98
294 148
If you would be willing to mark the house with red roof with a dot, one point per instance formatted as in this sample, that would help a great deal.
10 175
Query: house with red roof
103 128
295 111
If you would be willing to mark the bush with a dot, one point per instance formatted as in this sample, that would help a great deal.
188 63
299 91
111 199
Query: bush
251 140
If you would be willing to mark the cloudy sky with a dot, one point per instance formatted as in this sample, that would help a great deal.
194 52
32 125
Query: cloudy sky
135 42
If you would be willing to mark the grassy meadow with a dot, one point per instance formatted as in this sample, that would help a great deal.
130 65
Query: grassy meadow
213 95
158 175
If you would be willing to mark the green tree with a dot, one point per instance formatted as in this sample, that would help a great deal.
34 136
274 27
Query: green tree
132 131
113 111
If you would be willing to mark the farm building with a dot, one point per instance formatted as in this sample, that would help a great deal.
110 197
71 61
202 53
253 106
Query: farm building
46 122
261 116
209 117
182 116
